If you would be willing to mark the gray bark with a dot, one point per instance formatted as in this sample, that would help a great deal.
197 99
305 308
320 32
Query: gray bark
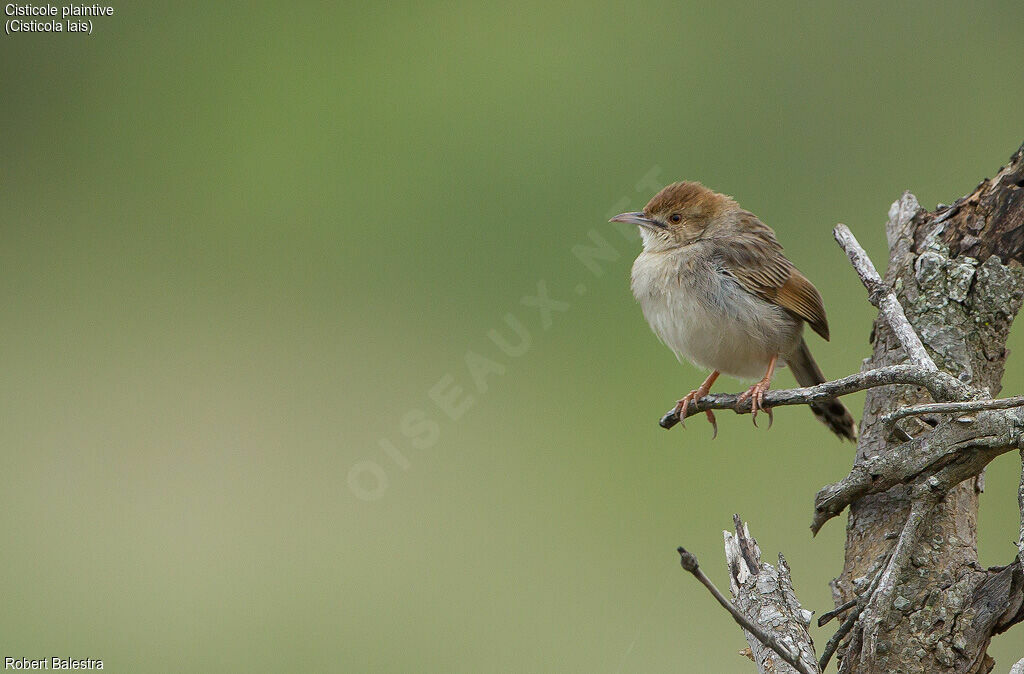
943 607
912 597
765 594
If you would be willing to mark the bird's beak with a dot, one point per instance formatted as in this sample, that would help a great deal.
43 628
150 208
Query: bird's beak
637 219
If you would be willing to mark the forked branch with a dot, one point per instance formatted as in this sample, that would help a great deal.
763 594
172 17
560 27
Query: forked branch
772 618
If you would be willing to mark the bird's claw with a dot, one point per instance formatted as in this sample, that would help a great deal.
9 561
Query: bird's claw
683 404
756 395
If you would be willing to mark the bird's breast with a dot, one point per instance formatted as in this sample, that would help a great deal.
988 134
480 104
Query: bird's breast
705 316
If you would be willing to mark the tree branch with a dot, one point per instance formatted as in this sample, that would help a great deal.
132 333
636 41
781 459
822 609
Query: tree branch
859 604
881 296
827 616
924 501
765 594
952 408
941 385
949 454
791 656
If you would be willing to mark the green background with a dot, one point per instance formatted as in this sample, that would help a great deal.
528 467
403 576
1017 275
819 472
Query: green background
241 243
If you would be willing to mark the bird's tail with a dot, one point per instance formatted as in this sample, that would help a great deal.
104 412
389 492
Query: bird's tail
830 412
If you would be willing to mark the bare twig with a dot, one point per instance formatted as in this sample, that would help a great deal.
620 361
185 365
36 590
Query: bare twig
860 602
953 408
689 562
880 295
827 616
837 638
941 385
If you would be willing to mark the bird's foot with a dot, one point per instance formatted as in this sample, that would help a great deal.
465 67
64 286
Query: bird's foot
693 396
756 395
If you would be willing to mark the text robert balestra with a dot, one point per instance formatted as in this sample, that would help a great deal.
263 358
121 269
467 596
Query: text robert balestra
53 663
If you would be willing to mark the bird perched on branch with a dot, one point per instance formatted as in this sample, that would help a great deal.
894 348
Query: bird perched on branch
715 287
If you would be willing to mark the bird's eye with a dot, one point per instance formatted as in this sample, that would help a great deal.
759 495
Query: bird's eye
675 218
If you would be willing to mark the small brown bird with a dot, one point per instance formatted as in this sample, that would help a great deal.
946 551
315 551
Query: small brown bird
714 285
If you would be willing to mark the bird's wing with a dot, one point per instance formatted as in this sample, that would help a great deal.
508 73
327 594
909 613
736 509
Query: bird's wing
754 258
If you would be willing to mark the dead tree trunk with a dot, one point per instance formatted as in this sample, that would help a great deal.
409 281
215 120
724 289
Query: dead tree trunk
912 596
957 273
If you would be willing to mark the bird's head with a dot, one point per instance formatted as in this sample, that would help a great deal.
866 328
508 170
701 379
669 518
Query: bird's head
678 215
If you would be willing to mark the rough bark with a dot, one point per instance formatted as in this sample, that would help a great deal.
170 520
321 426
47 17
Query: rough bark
957 273
765 594
912 596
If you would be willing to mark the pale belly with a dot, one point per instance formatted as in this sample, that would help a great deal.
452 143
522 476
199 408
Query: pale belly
708 319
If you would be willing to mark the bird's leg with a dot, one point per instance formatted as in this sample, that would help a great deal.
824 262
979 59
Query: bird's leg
757 391
694 396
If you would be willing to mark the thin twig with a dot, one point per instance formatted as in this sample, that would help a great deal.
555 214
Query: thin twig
827 616
941 385
860 602
952 408
883 297
689 562
837 638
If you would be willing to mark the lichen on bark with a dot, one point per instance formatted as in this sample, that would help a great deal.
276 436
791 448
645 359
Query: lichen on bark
962 307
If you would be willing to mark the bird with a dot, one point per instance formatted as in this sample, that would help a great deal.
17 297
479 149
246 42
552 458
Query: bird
715 287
